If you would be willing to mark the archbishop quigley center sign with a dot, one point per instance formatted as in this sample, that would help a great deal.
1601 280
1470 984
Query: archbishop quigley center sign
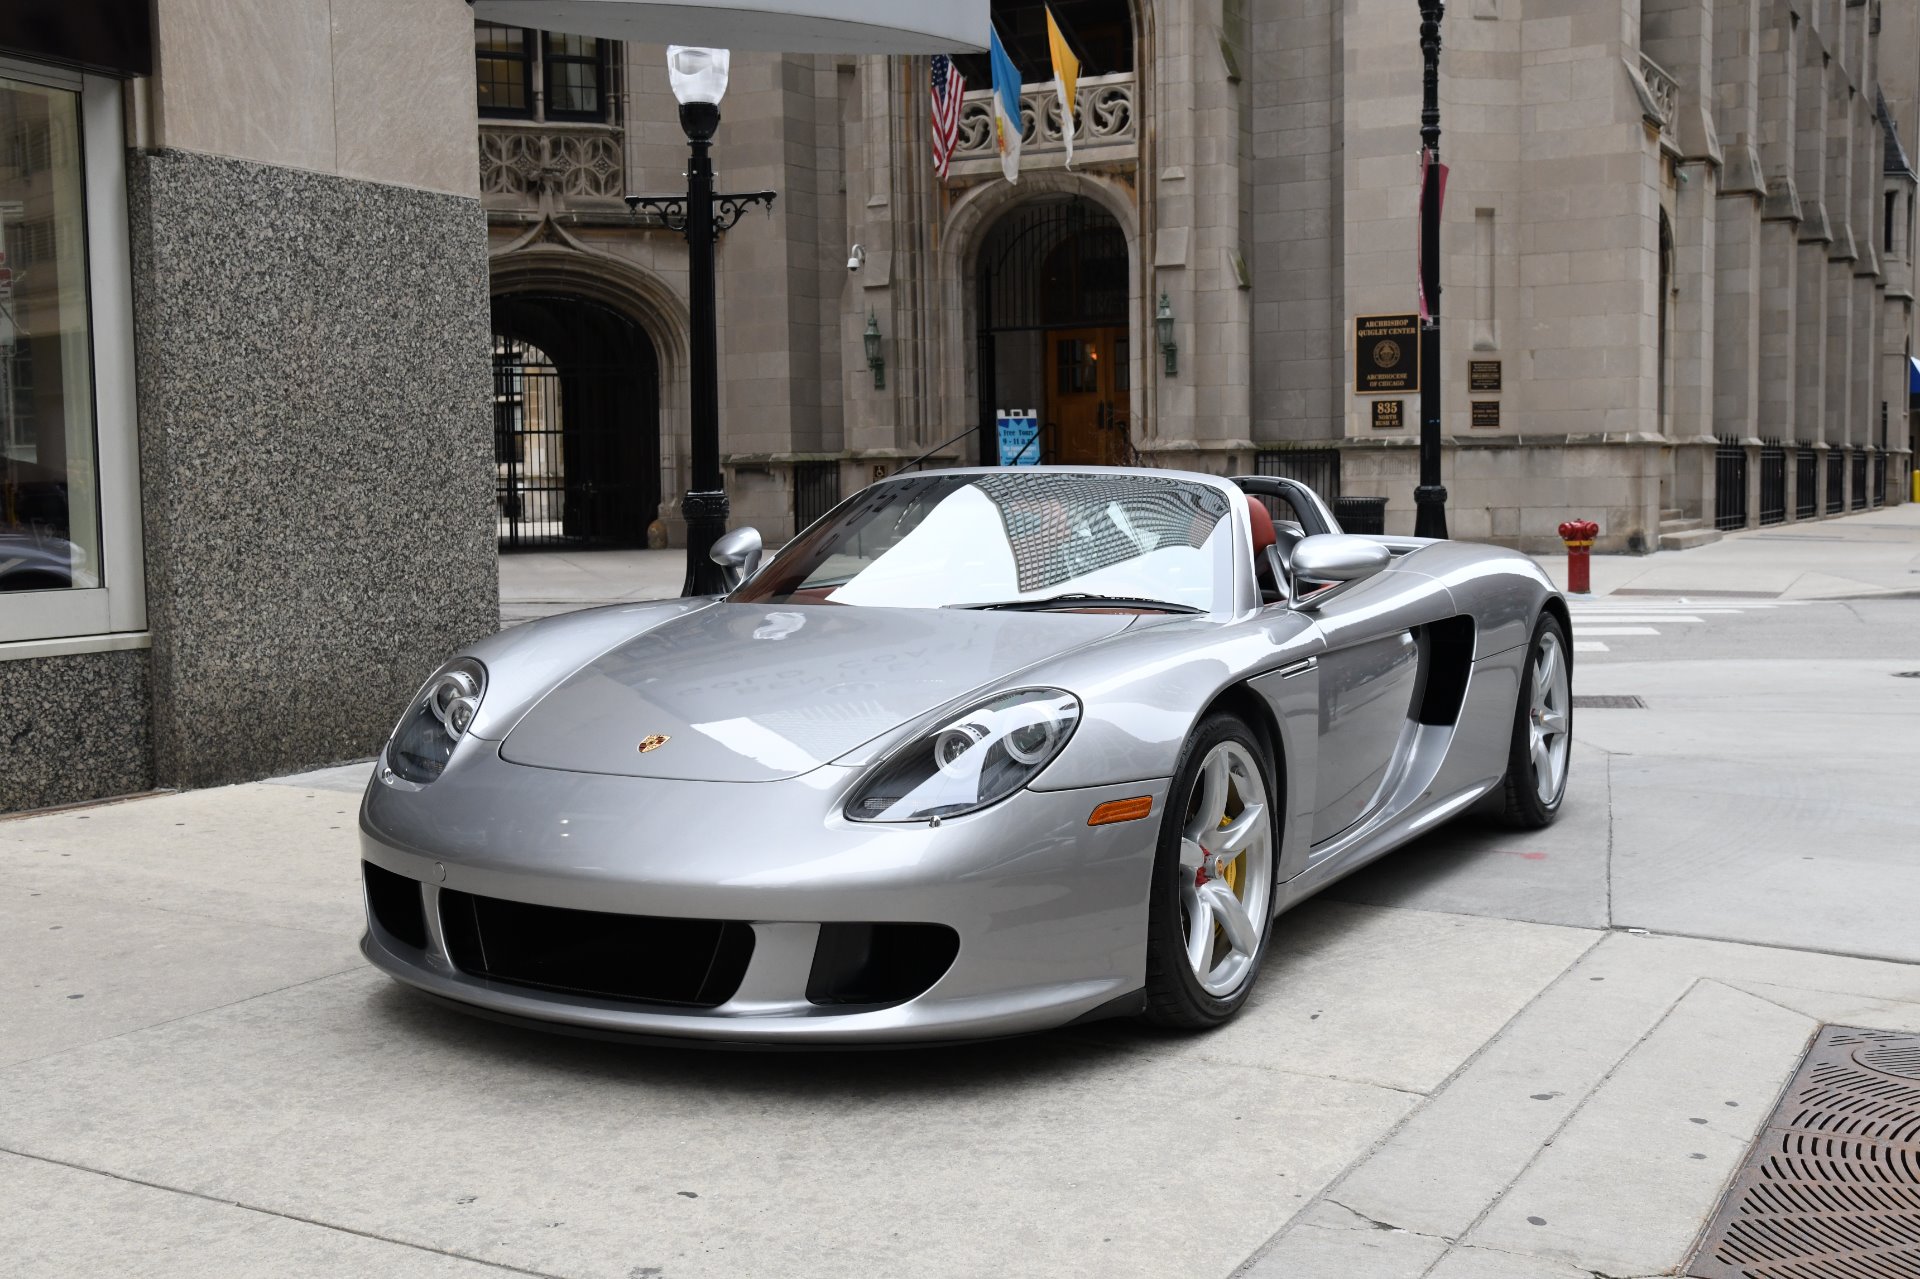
1386 354
775 26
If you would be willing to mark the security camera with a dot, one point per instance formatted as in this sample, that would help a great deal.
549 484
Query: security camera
857 258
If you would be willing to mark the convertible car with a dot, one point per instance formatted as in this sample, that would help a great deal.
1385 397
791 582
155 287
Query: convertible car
980 752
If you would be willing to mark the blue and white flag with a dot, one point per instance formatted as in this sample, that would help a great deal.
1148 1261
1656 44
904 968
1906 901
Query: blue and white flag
1006 105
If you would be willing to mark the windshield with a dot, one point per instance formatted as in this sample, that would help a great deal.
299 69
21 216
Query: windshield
947 541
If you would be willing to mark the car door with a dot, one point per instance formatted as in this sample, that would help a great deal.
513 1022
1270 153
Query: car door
1369 678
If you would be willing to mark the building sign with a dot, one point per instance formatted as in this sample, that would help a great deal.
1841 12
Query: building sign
1019 437
1483 375
1386 351
1486 413
1387 416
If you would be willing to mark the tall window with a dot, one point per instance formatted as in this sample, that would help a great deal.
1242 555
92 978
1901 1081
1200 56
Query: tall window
503 61
69 541
571 72
573 77
1100 31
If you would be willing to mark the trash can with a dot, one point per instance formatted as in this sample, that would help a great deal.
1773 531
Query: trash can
1361 514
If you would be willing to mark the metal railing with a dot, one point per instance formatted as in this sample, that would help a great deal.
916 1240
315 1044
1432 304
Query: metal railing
1879 492
1806 483
1730 486
1317 468
1836 480
1857 458
816 490
1773 483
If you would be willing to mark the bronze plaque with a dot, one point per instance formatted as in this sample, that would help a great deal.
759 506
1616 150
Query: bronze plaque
1486 413
1483 375
1387 416
1386 352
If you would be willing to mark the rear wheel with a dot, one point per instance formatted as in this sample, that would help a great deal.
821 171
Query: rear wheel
1210 912
1542 746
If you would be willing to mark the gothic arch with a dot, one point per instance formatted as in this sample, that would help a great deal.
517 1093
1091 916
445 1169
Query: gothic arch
967 226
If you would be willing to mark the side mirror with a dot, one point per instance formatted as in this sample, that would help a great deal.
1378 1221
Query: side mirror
1340 558
738 553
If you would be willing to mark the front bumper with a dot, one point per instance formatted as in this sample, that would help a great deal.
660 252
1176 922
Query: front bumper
1050 912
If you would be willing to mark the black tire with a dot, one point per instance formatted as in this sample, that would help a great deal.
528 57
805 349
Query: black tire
1522 805
1175 997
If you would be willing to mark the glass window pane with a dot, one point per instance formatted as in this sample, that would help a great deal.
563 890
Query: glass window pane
49 486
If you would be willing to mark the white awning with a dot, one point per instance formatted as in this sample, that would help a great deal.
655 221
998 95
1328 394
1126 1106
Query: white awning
785 26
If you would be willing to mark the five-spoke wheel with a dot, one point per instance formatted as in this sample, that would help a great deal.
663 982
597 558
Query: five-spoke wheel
1542 731
1213 881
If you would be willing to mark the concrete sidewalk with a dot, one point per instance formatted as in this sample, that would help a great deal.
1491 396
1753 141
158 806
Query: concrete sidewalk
1490 1056
1872 554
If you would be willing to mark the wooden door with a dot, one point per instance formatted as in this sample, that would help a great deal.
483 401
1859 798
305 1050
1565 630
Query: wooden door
1088 397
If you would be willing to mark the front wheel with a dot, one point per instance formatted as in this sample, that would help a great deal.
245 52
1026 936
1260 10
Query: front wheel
1211 908
1542 745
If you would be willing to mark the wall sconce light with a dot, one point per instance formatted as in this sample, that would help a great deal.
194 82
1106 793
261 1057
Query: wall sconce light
1163 321
875 360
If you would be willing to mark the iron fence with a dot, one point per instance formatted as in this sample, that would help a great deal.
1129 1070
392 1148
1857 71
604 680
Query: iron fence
816 490
1857 458
1773 483
1836 480
1317 468
1879 492
1730 485
1806 483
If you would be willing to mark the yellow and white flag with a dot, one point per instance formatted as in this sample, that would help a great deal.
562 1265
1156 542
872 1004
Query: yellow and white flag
1066 79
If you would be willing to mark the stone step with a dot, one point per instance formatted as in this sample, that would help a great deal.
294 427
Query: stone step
1680 524
1687 539
1671 513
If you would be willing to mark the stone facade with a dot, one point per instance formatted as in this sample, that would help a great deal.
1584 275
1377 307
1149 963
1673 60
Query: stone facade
1666 219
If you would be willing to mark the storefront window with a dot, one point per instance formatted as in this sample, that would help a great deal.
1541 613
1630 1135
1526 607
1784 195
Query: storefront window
49 484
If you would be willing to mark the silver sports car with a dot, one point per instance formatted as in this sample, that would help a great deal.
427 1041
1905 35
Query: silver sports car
979 752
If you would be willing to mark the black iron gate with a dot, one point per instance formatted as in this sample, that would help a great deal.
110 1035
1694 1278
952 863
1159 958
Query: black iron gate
1317 468
1858 460
1878 494
1730 485
575 424
816 490
1806 483
1773 483
1836 480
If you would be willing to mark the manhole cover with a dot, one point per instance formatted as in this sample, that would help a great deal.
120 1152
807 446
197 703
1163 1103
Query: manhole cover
1831 1188
1608 702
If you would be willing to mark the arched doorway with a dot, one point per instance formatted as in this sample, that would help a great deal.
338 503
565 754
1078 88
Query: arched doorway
1052 338
576 408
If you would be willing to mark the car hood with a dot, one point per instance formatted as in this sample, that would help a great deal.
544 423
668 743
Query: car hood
751 693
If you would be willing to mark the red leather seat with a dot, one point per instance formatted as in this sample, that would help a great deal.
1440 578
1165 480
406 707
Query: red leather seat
1263 534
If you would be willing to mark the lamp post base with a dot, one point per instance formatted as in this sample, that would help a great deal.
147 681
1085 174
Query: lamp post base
706 516
1430 511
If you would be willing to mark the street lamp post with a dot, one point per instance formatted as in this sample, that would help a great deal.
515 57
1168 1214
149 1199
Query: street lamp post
699 81
1430 498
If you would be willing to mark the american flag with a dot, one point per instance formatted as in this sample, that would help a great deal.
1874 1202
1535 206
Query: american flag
948 86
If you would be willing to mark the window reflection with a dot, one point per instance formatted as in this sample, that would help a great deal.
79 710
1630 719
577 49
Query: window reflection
49 498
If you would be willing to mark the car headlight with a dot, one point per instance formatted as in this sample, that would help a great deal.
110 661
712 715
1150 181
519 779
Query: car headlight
439 717
973 760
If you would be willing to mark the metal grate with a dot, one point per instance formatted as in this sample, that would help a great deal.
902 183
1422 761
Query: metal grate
1317 468
1608 702
1831 1187
816 490
1836 480
1858 457
1773 483
1730 485
1806 483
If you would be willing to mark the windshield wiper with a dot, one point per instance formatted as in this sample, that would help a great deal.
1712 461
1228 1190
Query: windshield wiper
1077 599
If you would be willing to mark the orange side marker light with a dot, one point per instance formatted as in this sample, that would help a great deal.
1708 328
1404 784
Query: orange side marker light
1121 810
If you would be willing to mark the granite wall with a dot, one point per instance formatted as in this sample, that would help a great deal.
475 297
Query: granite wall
73 728
316 456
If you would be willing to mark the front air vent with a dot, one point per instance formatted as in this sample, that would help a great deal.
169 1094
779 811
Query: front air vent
638 958
394 902
879 963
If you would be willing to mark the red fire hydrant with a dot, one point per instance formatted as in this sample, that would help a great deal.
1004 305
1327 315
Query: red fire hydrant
1579 535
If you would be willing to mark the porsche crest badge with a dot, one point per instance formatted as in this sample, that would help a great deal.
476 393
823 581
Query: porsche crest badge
654 743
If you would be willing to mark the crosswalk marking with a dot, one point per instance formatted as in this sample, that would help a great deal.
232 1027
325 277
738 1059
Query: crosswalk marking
1620 618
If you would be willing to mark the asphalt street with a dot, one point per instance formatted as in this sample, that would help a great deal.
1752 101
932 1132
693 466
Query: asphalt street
1489 1056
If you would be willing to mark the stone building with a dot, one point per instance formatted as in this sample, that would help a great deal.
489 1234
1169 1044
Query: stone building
244 476
1677 262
